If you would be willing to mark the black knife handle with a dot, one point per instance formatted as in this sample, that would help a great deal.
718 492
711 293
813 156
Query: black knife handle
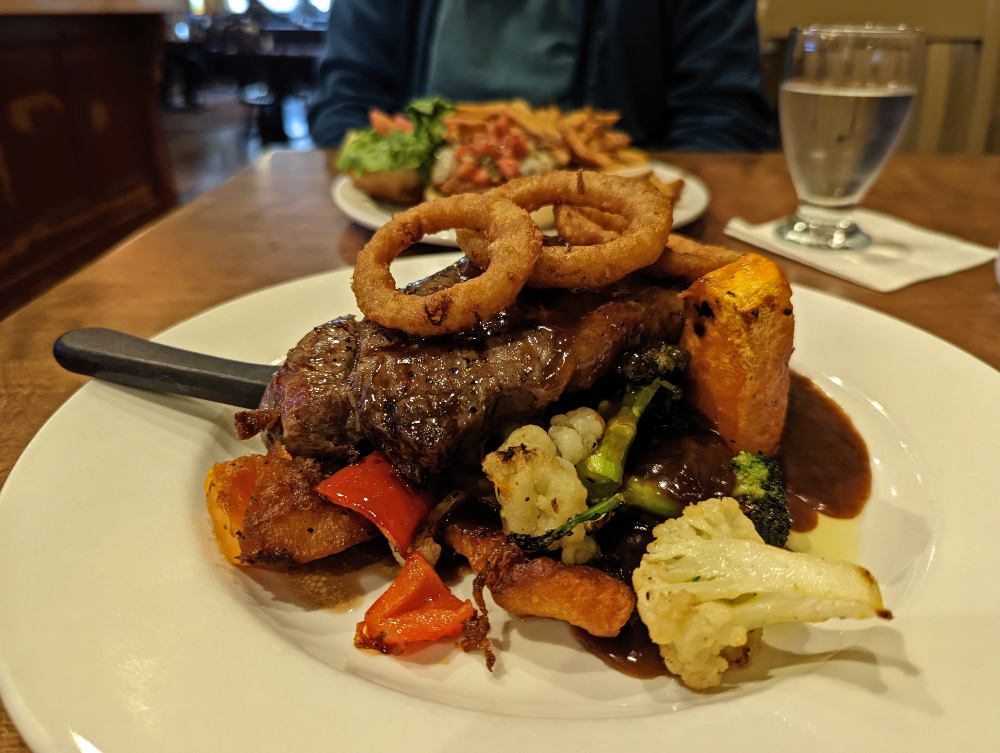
129 360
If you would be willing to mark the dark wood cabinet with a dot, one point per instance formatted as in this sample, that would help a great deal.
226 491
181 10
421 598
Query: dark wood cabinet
83 160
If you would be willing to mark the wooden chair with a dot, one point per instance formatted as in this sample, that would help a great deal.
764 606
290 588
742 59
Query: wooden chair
944 24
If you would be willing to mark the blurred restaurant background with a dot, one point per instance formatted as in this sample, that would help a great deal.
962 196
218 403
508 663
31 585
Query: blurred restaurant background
113 112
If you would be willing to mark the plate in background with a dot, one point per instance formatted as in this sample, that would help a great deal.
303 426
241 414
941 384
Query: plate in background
372 214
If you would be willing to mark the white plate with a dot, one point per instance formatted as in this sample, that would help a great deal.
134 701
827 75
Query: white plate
372 214
122 629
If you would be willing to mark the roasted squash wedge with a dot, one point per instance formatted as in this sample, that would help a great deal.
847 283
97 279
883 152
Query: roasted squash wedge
738 326
265 509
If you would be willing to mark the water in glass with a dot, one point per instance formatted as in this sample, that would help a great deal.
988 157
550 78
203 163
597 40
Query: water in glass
844 108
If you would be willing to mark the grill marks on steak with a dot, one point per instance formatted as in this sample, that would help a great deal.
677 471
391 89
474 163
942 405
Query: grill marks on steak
424 401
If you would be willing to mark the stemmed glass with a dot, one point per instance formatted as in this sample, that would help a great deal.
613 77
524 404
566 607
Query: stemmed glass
844 105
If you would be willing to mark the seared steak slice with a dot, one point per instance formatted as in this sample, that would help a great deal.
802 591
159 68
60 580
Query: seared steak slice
424 401
307 407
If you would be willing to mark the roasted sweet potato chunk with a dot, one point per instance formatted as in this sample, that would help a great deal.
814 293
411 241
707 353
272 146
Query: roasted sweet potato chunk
264 509
738 326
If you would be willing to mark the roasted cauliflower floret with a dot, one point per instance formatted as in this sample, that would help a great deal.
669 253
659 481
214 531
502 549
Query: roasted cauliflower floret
708 579
576 432
538 490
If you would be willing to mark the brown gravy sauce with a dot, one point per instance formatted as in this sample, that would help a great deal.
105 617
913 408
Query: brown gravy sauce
631 652
824 461
332 583
623 541
554 240
825 467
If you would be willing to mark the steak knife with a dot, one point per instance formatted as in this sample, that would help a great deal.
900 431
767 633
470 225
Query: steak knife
125 359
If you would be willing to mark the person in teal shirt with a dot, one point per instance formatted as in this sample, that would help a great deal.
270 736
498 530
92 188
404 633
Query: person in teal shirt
684 74
486 50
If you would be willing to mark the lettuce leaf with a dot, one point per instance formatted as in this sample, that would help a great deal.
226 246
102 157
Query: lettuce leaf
370 152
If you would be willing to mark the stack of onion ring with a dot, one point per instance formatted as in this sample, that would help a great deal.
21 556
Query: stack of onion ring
684 258
647 213
515 245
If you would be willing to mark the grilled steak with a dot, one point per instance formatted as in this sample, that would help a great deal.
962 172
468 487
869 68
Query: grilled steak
423 401
307 405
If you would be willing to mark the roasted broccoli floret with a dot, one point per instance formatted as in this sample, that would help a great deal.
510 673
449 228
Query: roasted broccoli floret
643 365
708 579
761 496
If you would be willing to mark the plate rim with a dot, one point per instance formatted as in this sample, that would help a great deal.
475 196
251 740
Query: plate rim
445 238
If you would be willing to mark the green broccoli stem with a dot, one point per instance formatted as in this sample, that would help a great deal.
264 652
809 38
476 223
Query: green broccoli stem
533 543
647 496
603 469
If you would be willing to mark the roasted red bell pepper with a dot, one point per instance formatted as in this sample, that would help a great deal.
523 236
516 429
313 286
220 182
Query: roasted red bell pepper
374 489
417 606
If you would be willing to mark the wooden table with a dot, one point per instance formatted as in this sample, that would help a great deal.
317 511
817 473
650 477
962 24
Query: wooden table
275 221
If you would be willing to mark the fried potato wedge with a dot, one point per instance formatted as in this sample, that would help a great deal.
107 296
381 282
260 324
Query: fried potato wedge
580 595
738 326
542 587
264 510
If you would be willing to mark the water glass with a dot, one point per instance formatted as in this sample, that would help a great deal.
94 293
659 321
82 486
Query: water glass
844 105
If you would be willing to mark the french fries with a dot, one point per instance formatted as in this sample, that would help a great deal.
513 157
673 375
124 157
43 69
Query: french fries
582 137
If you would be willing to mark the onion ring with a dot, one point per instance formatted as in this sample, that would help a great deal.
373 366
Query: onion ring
688 259
647 211
515 244
684 258
583 226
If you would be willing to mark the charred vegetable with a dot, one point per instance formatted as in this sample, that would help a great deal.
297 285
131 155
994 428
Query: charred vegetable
646 495
761 496
598 511
738 326
539 491
646 371
416 607
642 365
373 489
603 469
